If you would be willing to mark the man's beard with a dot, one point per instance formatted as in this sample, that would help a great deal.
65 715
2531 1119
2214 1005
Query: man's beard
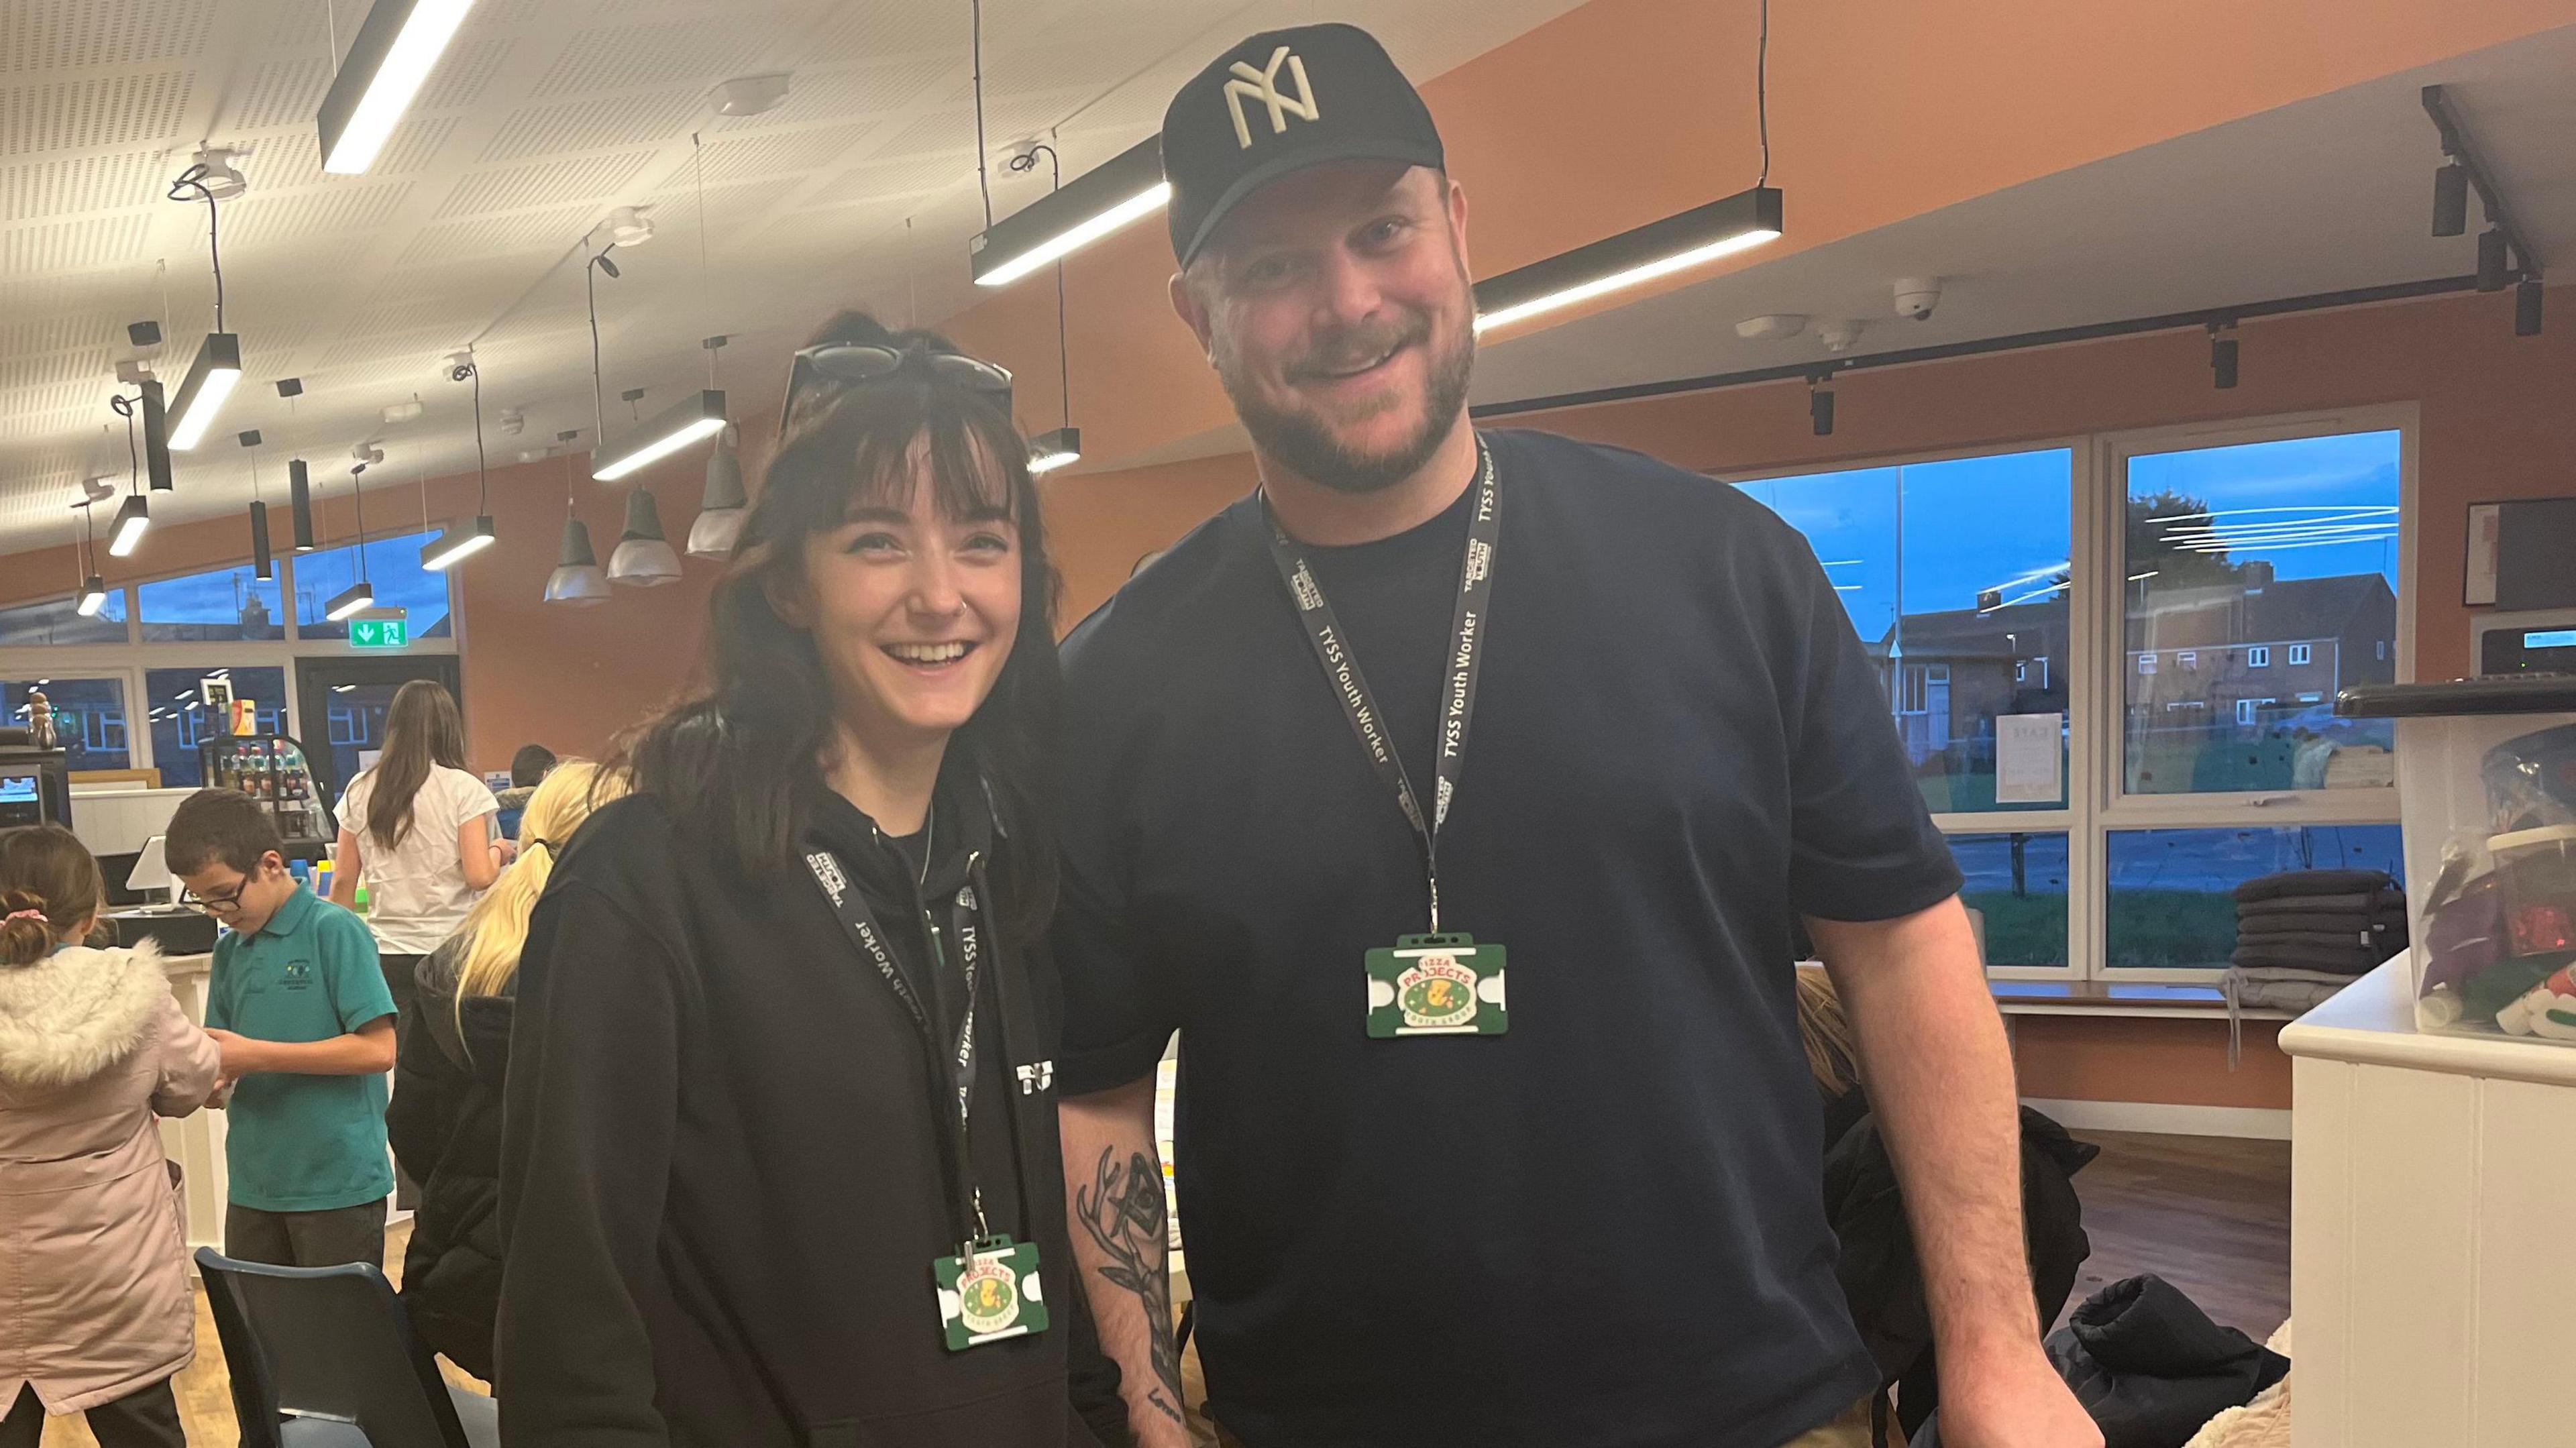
1305 444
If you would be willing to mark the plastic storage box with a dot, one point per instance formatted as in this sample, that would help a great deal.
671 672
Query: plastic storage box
2486 780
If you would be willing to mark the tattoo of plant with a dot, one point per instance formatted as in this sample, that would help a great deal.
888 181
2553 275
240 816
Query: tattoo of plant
1123 1212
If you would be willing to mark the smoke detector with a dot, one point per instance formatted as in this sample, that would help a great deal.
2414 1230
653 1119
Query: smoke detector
367 454
629 226
1838 336
749 95
405 411
1771 328
134 373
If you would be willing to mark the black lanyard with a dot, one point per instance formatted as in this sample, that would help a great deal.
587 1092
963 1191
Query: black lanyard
1468 630
850 904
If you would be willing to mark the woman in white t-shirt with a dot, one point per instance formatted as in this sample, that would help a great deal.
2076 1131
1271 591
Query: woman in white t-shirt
417 829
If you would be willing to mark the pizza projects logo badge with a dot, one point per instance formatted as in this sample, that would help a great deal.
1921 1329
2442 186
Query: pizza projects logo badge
988 1296
1436 991
1261 87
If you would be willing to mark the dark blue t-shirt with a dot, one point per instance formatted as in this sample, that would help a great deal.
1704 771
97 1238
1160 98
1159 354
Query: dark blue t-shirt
1603 1229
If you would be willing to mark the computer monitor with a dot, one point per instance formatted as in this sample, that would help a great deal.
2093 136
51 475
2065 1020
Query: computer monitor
152 869
22 798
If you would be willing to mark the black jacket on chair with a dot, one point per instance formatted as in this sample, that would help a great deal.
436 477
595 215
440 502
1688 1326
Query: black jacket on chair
445 1123
2152 1368
1881 1276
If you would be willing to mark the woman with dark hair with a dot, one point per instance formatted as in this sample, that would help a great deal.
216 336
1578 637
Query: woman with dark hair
417 830
779 1155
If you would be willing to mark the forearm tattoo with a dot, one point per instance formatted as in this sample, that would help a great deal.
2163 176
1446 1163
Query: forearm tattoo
1123 1211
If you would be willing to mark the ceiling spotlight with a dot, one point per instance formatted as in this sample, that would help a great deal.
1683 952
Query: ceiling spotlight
359 595
389 58
1094 204
222 180
628 226
1683 240
1049 451
2494 265
2222 358
2451 200
643 558
126 533
750 95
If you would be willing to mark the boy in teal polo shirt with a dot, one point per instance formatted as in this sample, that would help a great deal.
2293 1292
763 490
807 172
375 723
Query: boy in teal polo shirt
307 1028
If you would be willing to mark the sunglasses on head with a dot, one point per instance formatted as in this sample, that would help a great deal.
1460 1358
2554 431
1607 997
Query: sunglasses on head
858 364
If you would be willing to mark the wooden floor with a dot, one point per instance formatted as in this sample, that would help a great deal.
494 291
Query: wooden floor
2209 1214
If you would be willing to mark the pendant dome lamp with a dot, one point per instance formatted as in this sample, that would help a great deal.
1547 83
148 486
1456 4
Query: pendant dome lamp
643 558
724 507
577 581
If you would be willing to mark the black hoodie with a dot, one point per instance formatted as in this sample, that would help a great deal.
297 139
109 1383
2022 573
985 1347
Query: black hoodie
445 1123
721 1178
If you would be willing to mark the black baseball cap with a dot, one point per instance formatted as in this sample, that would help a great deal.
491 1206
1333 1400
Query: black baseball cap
1279 102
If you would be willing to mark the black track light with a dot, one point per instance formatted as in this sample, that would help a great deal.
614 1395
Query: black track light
2222 360
2526 308
2493 263
1820 406
2451 200
299 491
156 438
262 566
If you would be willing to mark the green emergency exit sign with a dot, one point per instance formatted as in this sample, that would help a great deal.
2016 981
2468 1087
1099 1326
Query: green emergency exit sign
379 633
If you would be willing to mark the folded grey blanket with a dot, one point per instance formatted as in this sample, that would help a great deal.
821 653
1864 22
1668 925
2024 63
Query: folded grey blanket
2313 882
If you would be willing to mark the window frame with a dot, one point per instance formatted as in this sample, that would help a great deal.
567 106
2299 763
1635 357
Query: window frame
2097 805
130 660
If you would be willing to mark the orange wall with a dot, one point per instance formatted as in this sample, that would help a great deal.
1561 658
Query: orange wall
2178 1063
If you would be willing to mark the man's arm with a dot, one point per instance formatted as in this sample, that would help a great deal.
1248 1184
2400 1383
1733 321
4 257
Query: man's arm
1940 1079
1113 1183
366 1051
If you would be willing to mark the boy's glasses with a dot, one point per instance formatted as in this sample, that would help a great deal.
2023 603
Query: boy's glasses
222 902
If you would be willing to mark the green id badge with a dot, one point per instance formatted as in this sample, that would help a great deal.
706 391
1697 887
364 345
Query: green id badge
991 1297
1436 985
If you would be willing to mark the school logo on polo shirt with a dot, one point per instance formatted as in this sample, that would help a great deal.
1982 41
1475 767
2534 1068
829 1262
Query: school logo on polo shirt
297 974
1261 87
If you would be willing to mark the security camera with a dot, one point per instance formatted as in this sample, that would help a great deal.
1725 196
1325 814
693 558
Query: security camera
1917 296
1839 335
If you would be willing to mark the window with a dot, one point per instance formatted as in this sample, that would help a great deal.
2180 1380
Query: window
2231 547
2299 653
59 621
392 565
226 604
1955 574
2249 711
89 718
2146 663
2016 884
2172 900
2186 660
180 722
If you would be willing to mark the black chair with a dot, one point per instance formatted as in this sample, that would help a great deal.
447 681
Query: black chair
325 1357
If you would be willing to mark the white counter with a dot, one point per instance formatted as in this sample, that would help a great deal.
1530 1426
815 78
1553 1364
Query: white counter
2432 1182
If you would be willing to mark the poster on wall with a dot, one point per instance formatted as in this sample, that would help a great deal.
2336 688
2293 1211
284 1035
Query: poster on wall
2029 759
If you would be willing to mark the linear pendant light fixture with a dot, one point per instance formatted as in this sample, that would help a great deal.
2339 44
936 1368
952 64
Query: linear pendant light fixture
1096 203
134 516
93 594
299 496
456 544
1679 242
1061 446
218 367
361 594
1686 239
156 437
391 56
263 566
700 414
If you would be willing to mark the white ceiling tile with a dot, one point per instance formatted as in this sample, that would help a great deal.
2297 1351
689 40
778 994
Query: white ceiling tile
632 57
344 208
82 183
112 110
876 29
77 34
102 241
858 91
766 155
536 231
280 93
517 188
412 147
593 125
463 72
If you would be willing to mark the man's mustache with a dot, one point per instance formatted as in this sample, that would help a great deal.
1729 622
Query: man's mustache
1359 346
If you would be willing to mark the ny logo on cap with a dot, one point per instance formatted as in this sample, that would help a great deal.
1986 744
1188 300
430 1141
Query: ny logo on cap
1262 86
